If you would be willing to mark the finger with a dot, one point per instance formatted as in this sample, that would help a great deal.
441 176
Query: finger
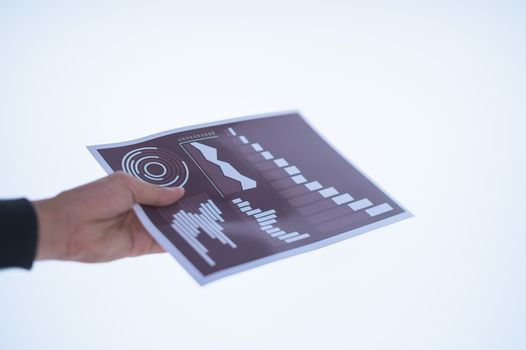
156 248
146 193
141 242
150 245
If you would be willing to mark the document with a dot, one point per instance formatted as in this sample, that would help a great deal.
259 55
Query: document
257 189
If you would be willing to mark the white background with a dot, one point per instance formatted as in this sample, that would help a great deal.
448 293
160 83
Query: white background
427 97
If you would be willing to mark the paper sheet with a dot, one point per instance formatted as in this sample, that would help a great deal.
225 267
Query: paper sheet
258 189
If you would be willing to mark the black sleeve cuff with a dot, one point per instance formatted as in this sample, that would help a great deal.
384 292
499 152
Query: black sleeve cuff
18 233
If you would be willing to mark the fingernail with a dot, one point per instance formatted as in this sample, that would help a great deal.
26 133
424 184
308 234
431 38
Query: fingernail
176 189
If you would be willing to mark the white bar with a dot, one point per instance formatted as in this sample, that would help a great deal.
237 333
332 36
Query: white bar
379 209
217 230
185 222
268 227
281 162
243 139
257 147
269 222
289 235
237 200
267 155
328 192
245 209
274 229
279 233
362 203
265 218
183 225
212 209
343 198
232 132
313 186
201 253
292 170
211 223
297 238
229 241
197 243
299 179
207 217
252 212
265 213
243 204
210 231
222 237
210 213
215 207
185 217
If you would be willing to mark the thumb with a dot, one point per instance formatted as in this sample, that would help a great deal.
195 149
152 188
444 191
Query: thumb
149 194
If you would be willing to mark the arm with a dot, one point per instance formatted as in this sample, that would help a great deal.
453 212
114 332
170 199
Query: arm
95 222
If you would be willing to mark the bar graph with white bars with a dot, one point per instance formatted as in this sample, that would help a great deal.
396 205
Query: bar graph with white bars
267 221
190 226
308 197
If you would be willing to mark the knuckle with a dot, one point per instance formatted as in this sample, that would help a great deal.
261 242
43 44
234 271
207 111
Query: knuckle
120 176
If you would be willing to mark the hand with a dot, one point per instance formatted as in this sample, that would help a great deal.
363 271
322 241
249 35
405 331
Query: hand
95 222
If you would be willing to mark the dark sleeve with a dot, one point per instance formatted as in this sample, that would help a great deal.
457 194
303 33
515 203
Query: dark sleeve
18 233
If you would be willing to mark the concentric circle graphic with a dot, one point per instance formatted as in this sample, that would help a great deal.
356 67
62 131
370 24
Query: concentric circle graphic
157 166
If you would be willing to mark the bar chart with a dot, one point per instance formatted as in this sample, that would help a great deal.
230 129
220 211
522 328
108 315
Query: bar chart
191 226
322 205
268 222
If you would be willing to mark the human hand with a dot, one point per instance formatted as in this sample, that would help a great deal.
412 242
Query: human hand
95 222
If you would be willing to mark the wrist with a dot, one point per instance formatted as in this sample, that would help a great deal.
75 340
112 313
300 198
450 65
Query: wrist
52 242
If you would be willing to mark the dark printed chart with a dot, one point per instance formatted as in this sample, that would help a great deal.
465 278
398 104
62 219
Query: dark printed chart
258 189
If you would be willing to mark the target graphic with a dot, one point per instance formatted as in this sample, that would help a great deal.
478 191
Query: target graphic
156 166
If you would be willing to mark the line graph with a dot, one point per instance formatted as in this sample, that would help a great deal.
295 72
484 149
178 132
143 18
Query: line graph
224 176
228 170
